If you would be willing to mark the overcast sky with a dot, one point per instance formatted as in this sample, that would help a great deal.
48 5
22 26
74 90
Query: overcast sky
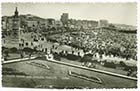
124 13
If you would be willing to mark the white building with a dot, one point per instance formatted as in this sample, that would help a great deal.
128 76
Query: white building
103 23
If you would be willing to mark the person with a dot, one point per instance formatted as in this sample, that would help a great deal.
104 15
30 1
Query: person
78 53
31 43
72 52
5 58
129 72
21 55
30 54
4 41
46 50
53 47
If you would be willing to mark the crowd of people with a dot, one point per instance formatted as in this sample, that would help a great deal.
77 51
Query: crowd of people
102 41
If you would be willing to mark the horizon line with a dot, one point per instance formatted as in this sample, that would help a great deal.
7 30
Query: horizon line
71 18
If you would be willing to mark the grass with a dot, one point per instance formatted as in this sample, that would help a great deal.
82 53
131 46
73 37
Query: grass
97 67
61 71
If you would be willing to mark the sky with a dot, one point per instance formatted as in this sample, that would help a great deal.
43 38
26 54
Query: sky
123 13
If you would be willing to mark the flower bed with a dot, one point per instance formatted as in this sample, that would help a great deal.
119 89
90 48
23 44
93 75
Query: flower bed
89 78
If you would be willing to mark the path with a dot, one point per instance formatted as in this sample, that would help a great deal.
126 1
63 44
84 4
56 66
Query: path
18 60
90 69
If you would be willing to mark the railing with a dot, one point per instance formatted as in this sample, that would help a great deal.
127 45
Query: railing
17 60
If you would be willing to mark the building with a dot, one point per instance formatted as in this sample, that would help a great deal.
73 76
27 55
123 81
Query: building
103 23
15 24
58 23
82 24
125 27
64 19
9 24
50 22
31 23
3 23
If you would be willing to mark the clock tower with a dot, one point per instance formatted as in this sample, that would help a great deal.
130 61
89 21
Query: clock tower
16 24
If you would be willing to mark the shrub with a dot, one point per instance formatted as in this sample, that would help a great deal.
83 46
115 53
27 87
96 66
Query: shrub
57 56
110 65
122 64
13 50
72 57
27 49
4 48
86 58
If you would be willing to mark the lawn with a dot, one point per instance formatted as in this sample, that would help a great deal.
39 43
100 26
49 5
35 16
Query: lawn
61 71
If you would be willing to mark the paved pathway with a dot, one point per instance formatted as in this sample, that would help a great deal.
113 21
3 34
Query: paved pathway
90 69
18 60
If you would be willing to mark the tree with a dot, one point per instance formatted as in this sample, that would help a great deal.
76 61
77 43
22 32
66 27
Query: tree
6 52
3 49
122 64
